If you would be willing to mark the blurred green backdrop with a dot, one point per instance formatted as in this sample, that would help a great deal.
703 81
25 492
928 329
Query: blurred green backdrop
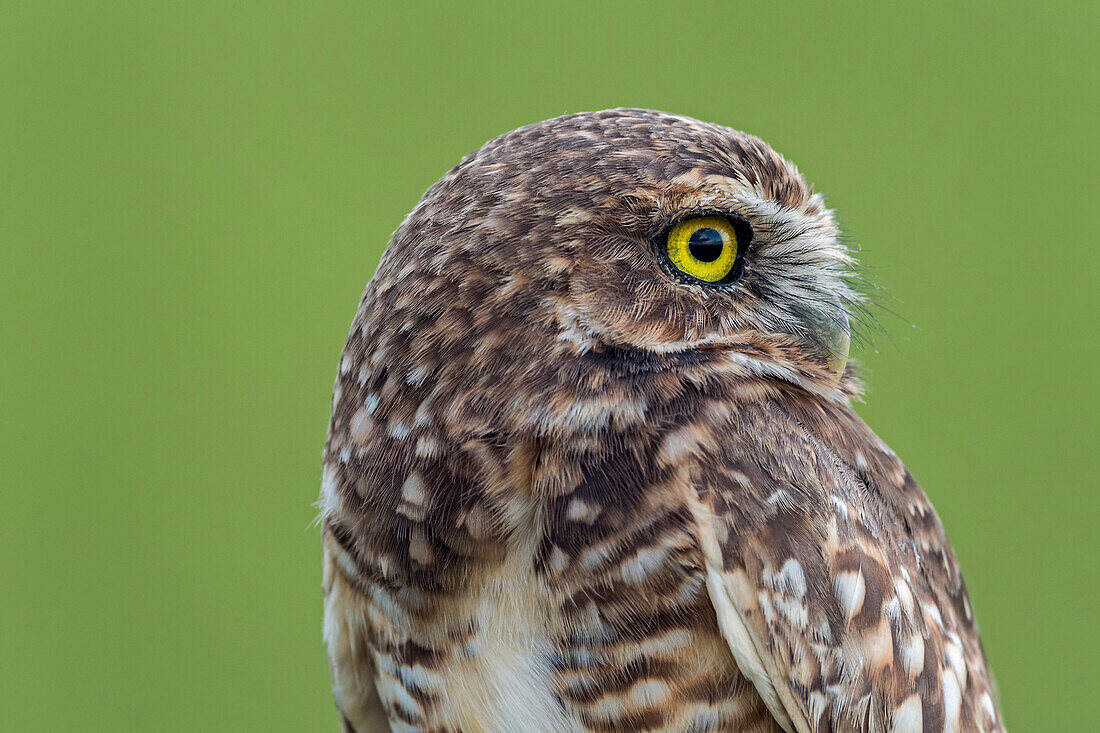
193 194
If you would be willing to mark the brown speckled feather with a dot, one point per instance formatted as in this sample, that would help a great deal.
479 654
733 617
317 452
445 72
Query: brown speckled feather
834 565
568 489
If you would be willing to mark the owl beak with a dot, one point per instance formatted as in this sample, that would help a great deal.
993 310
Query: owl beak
830 336
836 337
840 342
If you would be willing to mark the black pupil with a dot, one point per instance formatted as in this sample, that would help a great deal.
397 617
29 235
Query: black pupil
705 244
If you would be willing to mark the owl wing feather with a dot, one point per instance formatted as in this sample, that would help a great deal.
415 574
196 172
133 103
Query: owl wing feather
831 576
351 662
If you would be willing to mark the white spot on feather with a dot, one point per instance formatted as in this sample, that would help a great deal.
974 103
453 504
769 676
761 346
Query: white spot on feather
952 702
908 717
596 556
912 655
330 500
781 496
413 490
955 659
665 644
905 596
987 706
850 591
649 692
417 376
420 549
642 564
558 560
878 646
841 507
679 443
361 426
932 613
817 706
794 611
581 511
414 498
792 578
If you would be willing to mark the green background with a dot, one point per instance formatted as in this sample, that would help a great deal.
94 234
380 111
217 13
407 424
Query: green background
193 194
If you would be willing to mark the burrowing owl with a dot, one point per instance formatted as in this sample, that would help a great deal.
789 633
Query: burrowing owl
592 464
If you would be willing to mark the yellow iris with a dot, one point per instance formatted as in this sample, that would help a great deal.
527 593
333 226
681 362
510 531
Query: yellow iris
704 247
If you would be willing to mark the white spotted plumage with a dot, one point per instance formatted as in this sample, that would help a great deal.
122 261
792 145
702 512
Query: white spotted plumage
569 488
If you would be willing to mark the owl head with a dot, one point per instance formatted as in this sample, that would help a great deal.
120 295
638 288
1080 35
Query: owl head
629 239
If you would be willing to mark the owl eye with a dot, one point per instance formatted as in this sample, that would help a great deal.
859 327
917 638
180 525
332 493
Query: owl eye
705 248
